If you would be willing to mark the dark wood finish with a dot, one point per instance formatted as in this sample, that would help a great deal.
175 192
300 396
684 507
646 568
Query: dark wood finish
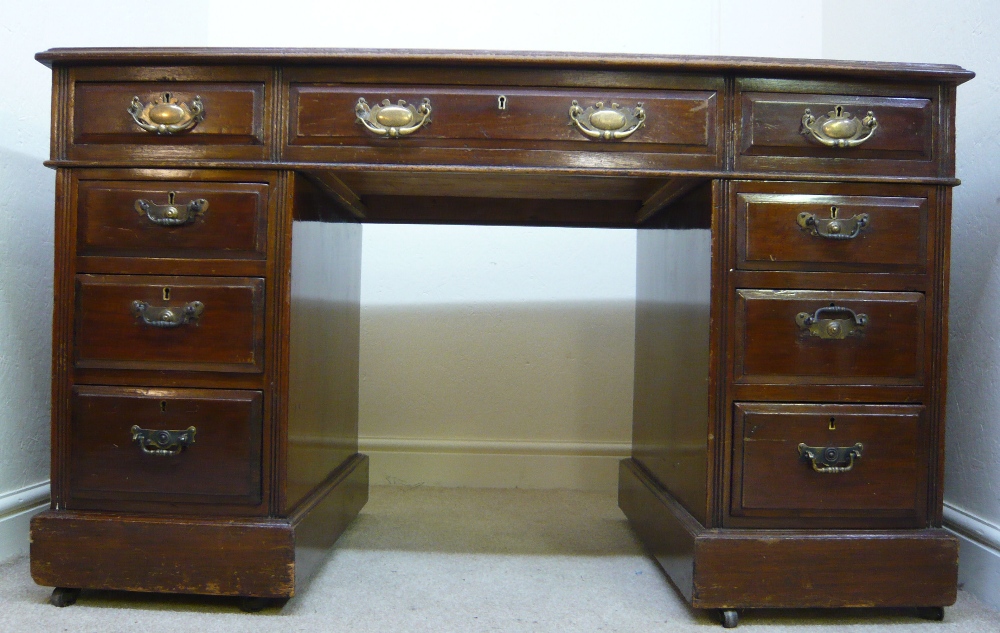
221 468
770 132
726 384
739 568
234 126
104 550
886 486
770 238
770 346
228 336
234 226
324 344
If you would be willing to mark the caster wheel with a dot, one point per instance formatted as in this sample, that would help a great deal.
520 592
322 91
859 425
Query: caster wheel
931 613
249 604
730 618
63 596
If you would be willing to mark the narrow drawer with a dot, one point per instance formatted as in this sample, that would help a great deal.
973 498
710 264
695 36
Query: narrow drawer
871 465
801 226
835 128
172 219
168 113
674 121
169 323
824 337
209 450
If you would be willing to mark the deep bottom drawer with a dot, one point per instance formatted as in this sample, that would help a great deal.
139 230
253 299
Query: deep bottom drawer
117 454
870 466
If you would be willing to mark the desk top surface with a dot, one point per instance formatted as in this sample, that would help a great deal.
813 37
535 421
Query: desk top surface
533 59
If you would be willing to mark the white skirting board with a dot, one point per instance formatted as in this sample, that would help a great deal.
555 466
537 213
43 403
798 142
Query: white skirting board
16 509
978 554
495 463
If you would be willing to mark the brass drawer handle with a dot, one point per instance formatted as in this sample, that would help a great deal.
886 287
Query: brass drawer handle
838 128
831 459
607 123
167 317
393 121
832 228
825 324
171 214
163 443
166 115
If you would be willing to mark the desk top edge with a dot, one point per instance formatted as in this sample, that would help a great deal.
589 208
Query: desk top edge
530 59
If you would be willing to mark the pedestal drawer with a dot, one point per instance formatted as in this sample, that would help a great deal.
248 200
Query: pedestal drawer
829 337
832 227
169 323
835 128
172 218
162 447
802 464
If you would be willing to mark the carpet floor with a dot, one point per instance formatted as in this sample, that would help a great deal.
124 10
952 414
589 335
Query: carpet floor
465 560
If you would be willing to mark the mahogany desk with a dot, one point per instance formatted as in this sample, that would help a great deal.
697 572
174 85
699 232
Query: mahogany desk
791 320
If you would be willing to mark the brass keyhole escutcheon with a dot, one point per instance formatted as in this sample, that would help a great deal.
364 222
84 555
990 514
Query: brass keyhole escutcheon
833 424
501 102
166 293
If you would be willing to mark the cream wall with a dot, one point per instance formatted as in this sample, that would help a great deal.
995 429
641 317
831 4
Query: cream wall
499 356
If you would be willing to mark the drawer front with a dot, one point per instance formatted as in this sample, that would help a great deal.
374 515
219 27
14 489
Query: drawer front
219 462
172 219
182 113
795 227
838 129
876 467
676 121
169 323
821 337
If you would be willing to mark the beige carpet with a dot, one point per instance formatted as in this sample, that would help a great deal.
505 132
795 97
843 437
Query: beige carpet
440 560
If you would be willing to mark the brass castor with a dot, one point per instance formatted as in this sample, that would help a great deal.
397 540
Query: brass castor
63 596
249 604
931 613
730 618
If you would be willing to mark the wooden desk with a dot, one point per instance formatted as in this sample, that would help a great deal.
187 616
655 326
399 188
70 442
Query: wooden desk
791 325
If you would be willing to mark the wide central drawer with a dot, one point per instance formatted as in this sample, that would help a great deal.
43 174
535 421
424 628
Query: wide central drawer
395 123
175 323
829 337
803 464
209 450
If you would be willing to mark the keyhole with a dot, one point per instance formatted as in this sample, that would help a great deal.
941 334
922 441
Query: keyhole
840 110
166 294
833 424
166 97
502 102
170 196
163 406
833 213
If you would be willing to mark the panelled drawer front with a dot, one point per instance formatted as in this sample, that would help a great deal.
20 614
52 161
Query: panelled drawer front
227 334
225 220
792 228
204 113
773 132
676 121
773 481
221 466
772 346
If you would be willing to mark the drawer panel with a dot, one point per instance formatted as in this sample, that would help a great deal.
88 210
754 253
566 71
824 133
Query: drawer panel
887 482
221 466
802 227
775 345
840 138
205 113
172 219
676 121
225 333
